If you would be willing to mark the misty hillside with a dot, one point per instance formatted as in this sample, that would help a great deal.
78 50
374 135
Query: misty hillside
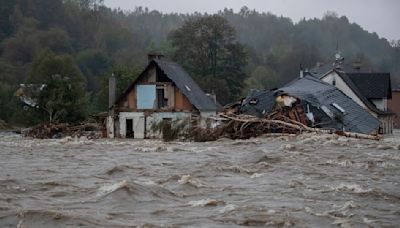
97 41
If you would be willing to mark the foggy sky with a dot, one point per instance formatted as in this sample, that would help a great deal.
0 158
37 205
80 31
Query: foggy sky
380 16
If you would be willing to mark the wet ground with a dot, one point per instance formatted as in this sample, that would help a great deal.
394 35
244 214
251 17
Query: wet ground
304 181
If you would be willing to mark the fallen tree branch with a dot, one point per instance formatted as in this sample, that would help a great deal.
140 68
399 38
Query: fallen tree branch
245 126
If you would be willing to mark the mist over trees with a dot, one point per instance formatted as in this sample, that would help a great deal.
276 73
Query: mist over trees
257 50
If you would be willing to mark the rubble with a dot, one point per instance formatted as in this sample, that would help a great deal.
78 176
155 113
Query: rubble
241 126
61 130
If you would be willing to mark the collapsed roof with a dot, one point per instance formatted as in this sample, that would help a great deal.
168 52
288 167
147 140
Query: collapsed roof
330 107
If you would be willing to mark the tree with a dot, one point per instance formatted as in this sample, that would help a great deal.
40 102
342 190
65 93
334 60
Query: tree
124 77
261 78
22 47
89 4
97 37
93 63
63 97
6 10
208 49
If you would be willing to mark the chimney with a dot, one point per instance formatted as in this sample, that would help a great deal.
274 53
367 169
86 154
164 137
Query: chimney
301 71
152 56
112 84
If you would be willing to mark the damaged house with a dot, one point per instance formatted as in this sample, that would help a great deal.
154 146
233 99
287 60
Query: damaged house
312 102
28 93
164 91
370 90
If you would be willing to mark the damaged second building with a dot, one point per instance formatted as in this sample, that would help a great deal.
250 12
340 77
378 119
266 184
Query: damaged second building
164 91
313 102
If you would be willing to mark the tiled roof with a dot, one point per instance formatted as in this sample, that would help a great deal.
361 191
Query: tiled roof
187 85
354 87
265 103
372 85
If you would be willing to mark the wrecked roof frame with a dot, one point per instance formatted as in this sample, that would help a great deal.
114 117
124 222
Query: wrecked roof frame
325 106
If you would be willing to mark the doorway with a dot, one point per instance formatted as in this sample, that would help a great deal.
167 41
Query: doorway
129 129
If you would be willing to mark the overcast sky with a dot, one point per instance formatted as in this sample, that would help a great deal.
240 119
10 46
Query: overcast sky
380 16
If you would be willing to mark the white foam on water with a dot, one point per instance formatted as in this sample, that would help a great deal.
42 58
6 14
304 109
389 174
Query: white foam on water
107 189
204 202
146 182
256 175
351 187
288 147
367 221
345 163
227 208
310 211
271 212
187 179
347 205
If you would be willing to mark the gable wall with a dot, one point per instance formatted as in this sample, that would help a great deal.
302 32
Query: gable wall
181 102
342 86
380 103
132 99
177 101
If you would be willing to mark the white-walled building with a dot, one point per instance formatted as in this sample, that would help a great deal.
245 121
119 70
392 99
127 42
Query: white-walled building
164 91
370 90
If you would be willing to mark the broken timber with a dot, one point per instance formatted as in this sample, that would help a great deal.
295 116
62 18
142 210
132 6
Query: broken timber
246 126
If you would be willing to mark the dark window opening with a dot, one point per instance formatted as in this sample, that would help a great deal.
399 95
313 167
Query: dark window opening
129 129
161 101
161 77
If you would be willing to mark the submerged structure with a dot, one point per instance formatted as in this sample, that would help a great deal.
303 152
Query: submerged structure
164 91
312 102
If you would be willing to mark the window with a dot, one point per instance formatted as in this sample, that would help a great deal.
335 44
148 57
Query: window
146 96
161 101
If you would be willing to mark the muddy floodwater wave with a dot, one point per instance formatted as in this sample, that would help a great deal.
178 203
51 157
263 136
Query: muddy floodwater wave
308 180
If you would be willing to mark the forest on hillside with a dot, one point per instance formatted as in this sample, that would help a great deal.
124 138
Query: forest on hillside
78 44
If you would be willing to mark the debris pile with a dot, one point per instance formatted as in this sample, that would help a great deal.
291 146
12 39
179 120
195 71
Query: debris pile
245 126
56 131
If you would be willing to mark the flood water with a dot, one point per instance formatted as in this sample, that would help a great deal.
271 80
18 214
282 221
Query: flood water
303 181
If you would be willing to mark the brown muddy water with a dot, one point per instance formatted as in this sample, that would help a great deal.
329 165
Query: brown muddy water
304 181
